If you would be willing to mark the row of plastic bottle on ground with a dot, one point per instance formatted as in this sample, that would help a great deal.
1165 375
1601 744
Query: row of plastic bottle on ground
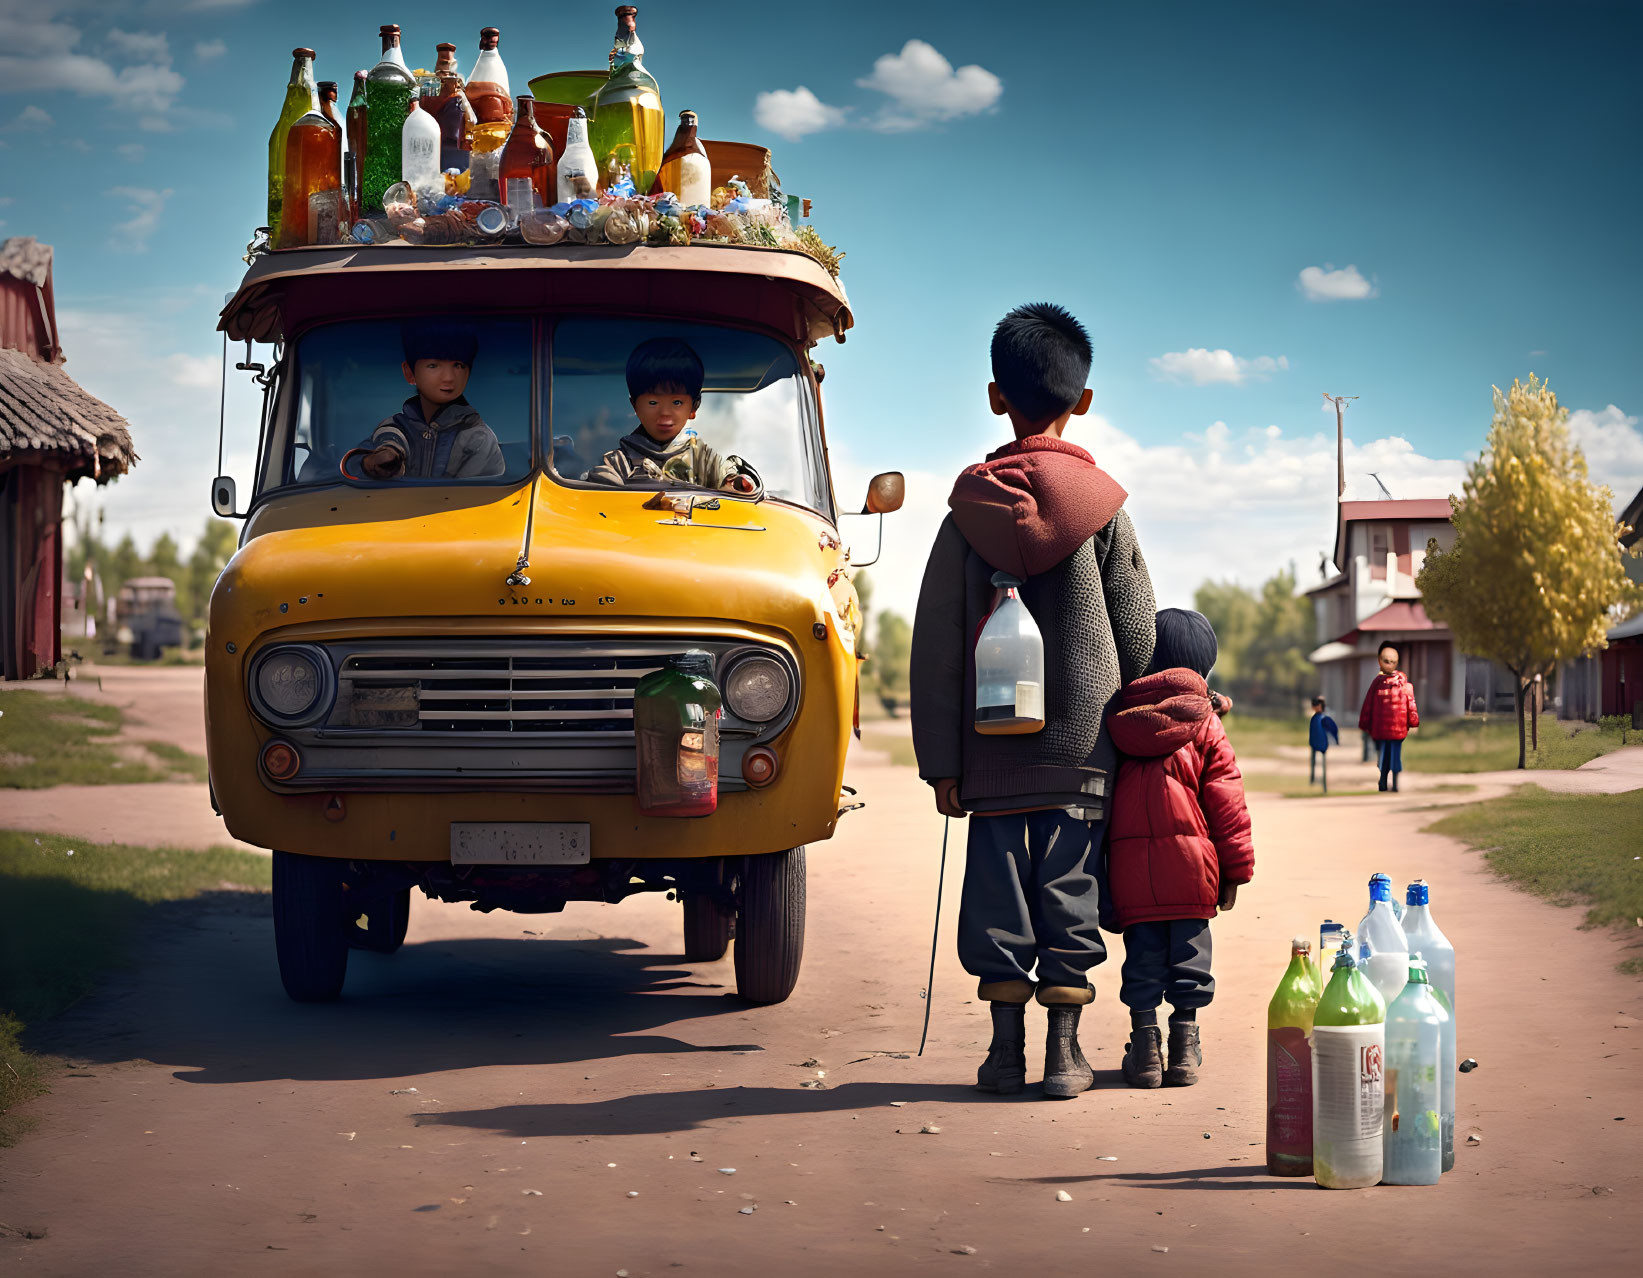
1361 1070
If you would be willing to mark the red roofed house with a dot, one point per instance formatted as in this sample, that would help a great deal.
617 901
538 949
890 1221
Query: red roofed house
1372 599
51 433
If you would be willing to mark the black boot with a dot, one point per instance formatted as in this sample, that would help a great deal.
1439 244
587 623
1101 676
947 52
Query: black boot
1383 778
1066 1072
1005 1069
1144 1057
1395 777
1185 1055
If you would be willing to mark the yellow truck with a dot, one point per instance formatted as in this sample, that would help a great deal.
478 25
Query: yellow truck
428 683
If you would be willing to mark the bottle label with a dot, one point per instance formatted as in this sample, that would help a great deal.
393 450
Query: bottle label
520 195
324 221
576 180
1348 1103
1029 700
1289 1093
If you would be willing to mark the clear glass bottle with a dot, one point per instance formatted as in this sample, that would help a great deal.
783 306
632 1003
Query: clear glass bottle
626 123
419 153
578 173
389 88
1412 1139
1289 1066
354 121
311 209
1009 667
686 170
676 713
525 174
1348 1077
1388 963
300 93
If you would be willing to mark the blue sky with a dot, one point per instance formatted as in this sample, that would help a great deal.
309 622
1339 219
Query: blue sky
1248 204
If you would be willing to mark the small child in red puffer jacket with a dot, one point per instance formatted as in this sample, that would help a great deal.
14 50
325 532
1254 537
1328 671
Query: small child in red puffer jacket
1179 845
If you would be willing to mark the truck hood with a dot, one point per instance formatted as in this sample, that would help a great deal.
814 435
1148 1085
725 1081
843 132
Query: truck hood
356 554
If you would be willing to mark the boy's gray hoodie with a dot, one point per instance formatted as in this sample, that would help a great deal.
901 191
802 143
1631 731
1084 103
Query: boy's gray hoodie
456 444
1042 510
685 459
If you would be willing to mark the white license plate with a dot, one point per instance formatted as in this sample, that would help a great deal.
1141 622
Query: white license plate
520 843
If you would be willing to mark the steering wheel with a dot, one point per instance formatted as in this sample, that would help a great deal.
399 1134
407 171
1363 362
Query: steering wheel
745 467
356 480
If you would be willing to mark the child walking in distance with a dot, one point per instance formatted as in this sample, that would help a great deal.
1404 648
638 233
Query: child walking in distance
1179 848
1320 731
1389 714
1040 512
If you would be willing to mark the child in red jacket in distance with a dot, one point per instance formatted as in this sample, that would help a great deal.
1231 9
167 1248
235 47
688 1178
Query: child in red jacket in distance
1180 845
1389 714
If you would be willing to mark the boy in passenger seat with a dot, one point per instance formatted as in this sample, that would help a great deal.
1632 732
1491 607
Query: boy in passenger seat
436 433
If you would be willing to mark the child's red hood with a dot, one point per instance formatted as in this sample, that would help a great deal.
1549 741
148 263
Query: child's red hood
1032 503
1159 713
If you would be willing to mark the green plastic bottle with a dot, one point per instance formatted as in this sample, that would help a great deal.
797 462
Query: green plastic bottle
1289 1066
1348 1077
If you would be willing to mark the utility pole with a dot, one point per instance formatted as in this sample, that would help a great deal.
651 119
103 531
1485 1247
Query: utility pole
1340 402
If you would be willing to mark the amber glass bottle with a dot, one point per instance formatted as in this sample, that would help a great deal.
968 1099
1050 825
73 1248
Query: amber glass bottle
300 94
526 175
356 141
449 107
311 207
685 168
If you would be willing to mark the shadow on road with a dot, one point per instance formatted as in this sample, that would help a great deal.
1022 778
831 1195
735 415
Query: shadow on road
1196 1178
207 999
680 1111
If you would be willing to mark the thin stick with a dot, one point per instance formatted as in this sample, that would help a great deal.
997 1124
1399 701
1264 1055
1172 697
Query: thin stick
930 985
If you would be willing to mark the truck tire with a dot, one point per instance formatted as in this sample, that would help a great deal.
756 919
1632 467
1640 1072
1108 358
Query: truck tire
386 924
770 926
707 928
311 926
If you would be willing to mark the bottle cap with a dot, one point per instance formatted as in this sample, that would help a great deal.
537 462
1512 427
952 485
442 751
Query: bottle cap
1300 945
1418 893
328 89
303 53
488 37
1343 956
1380 887
388 29
1417 969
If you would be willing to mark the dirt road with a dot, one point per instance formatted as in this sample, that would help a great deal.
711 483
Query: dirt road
578 1089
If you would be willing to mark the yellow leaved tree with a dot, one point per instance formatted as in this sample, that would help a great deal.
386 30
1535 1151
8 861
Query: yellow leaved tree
1537 563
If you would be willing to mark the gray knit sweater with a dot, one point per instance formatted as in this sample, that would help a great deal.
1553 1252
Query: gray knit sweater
1096 611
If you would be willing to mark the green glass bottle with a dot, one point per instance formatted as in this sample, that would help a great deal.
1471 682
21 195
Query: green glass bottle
676 713
301 96
389 87
1289 1066
1348 1077
625 121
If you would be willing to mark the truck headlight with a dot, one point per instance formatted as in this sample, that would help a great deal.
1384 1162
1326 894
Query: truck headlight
757 689
292 685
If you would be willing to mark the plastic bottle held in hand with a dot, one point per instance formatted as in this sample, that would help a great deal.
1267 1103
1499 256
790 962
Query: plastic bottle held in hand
1289 1066
1412 1138
1009 667
1388 945
419 153
1348 1083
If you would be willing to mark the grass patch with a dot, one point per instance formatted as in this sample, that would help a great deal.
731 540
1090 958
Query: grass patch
1569 848
1482 743
48 740
66 920
897 745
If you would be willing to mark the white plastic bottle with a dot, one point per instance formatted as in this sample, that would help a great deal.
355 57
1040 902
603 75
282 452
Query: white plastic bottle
1427 940
578 171
1009 667
1412 1139
1380 930
419 153
1348 1083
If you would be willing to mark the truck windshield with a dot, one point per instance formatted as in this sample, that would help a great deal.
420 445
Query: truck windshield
756 406
351 391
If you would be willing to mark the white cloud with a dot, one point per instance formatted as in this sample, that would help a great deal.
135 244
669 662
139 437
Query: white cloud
195 370
1326 284
43 55
32 117
1614 449
206 50
791 113
1203 367
145 206
924 88
132 151
139 46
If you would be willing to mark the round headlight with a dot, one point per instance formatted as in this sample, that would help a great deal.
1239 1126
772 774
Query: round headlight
290 682
757 689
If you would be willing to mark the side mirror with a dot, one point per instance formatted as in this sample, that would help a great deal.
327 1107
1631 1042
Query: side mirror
223 494
885 493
